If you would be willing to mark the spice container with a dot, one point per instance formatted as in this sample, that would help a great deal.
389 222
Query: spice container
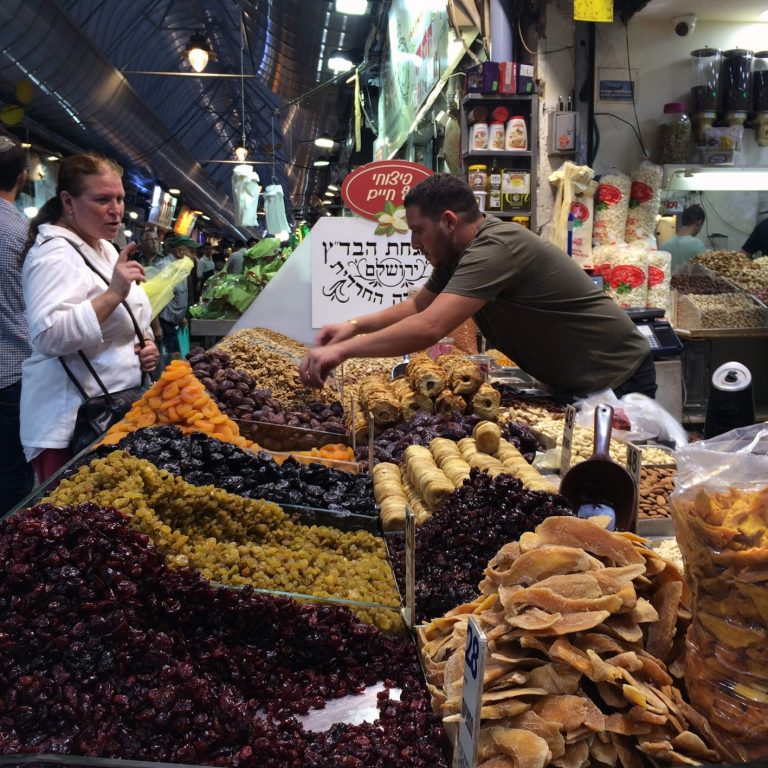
706 77
735 77
496 137
499 115
516 134
479 136
477 177
494 189
673 135
477 115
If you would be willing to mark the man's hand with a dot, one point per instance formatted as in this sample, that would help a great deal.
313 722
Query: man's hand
184 323
335 332
149 355
318 363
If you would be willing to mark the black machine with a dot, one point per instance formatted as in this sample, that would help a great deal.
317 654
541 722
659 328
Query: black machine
731 402
660 334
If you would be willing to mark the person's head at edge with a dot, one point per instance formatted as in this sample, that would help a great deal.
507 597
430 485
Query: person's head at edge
692 220
150 242
13 167
179 246
89 201
443 217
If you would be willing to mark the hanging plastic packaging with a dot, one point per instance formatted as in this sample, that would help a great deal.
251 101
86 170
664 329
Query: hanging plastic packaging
274 207
245 194
644 200
611 209
160 283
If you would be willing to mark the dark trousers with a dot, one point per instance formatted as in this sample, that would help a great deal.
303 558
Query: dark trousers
16 476
170 336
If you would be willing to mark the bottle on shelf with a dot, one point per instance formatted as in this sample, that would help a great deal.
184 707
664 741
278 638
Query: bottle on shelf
516 134
496 137
493 202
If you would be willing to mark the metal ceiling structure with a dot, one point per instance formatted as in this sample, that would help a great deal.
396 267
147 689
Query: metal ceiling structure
84 58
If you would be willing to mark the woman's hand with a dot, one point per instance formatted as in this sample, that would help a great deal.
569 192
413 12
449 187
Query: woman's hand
125 273
149 355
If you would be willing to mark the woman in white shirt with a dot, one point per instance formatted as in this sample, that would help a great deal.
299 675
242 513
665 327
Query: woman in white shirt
71 308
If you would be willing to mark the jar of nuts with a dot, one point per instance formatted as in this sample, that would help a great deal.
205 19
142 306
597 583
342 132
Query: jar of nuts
673 135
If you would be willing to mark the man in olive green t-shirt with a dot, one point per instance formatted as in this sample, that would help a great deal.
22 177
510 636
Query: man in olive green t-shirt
529 299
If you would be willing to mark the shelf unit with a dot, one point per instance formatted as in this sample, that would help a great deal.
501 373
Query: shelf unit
522 104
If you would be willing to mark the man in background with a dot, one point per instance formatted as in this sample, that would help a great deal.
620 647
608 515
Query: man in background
16 476
757 241
205 268
150 246
685 245
174 314
235 262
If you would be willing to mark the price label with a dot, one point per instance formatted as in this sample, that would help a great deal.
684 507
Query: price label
565 454
475 653
635 465
409 612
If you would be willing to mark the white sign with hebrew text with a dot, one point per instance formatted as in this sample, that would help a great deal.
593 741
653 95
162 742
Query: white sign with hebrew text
355 272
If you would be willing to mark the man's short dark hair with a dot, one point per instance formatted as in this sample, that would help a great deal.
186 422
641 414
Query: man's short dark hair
443 192
693 214
13 160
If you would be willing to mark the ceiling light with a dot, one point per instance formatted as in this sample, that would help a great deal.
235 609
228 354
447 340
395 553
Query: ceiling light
30 212
52 158
241 153
198 52
174 191
26 145
333 187
205 218
128 233
352 7
321 162
133 215
339 62
324 142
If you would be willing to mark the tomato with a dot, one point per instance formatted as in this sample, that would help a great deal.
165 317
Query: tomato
655 276
580 211
608 194
626 275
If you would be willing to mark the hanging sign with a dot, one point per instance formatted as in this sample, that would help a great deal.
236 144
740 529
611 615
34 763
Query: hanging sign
376 191
593 10
356 271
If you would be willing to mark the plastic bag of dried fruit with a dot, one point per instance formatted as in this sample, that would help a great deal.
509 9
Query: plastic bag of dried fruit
611 209
720 509
644 199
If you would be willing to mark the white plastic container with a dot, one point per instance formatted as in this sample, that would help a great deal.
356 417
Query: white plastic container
480 196
479 137
516 138
496 137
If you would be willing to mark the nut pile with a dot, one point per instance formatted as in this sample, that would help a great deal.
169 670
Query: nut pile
238 541
750 276
702 284
726 310
273 361
656 483
585 631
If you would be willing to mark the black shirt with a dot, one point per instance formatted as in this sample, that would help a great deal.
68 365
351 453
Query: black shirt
758 240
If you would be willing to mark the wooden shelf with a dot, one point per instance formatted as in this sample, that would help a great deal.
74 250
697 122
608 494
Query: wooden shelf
496 153
472 97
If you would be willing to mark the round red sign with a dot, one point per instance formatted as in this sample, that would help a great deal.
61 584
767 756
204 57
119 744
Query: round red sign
367 190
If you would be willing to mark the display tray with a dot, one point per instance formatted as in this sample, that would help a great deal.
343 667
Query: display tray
336 518
656 527
283 437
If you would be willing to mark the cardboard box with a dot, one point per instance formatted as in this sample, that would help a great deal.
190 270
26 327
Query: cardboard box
483 78
525 78
507 77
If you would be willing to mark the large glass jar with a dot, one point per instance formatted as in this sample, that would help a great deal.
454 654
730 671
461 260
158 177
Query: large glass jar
706 76
673 135
760 98
736 80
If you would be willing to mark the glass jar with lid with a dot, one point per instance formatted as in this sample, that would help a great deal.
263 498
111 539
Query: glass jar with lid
760 97
736 80
705 91
673 135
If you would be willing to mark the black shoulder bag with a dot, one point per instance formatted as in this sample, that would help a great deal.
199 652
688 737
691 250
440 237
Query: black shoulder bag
98 413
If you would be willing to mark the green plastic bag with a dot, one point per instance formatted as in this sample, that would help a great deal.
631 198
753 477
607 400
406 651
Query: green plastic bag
160 283
183 336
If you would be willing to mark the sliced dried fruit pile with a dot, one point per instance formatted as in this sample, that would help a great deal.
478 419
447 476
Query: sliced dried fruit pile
105 651
177 397
585 634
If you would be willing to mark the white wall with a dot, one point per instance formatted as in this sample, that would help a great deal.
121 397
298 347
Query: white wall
665 71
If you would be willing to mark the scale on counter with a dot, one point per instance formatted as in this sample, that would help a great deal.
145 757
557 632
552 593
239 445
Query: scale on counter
660 334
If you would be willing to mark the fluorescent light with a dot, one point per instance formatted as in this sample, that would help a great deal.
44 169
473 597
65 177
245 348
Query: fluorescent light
352 7
205 218
764 15
712 179
338 62
133 215
30 212
52 158
324 142
26 145
333 187
321 162
128 233
174 191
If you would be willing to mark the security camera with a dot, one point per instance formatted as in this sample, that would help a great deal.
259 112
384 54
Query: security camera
684 25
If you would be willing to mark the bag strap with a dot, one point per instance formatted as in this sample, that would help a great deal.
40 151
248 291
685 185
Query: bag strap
83 356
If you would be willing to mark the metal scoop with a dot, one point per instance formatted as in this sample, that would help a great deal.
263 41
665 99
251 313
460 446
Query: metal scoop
400 369
601 481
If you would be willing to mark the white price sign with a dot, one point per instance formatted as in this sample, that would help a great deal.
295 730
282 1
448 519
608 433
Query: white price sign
565 455
475 653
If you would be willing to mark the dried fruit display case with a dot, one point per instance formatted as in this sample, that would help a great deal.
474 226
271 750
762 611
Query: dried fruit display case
272 436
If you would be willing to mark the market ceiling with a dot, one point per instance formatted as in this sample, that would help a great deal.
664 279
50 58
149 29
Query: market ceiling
84 55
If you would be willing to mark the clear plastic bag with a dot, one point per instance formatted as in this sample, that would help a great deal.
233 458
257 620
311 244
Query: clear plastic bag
720 509
161 282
